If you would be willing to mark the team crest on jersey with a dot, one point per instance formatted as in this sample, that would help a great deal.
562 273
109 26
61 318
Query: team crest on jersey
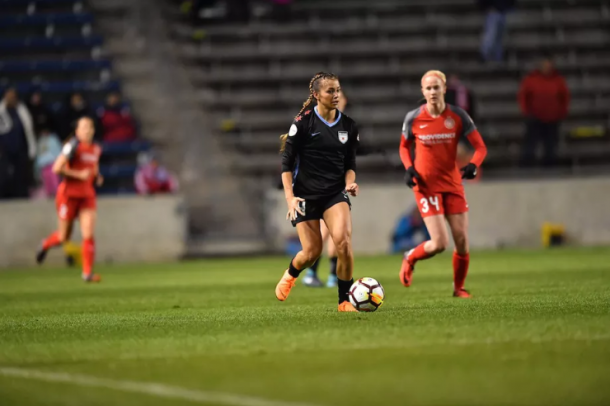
343 137
449 123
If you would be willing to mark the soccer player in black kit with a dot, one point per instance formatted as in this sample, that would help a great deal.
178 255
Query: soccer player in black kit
318 175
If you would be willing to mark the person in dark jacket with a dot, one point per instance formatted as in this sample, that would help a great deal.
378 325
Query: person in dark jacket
76 107
492 44
18 145
42 116
544 99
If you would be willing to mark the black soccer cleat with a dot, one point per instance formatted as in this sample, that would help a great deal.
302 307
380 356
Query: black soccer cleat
41 254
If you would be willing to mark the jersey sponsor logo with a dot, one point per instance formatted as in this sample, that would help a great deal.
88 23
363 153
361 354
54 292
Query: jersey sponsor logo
423 126
314 134
449 123
293 131
343 137
436 138
89 157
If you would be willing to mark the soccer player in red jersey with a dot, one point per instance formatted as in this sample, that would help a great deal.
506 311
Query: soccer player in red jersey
435 128
78 163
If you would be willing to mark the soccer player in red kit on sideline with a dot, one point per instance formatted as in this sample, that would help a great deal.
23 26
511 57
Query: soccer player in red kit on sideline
78 163
436 128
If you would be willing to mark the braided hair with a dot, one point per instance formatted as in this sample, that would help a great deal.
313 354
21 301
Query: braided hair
314 86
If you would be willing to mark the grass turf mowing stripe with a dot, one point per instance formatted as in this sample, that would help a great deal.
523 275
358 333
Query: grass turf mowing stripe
147 388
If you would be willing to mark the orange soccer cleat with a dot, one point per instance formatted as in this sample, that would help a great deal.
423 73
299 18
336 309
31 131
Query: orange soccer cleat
92 278
406 271
284 286
463 293
347 307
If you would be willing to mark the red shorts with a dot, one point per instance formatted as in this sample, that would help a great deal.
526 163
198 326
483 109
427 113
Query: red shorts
68 208
433 204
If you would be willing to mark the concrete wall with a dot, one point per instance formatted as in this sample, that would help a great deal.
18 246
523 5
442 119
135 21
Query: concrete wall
502 214
128 229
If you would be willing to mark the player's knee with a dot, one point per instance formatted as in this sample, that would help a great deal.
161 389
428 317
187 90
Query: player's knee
461 245
343 247
312 254
439 245
62 237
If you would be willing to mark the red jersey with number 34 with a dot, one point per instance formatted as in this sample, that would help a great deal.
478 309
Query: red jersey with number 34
436 140
80 156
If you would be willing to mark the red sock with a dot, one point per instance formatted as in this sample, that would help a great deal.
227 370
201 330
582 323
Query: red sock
460 270
88 255
419 253
51 241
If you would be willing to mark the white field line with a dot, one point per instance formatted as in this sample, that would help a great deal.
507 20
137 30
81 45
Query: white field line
146 388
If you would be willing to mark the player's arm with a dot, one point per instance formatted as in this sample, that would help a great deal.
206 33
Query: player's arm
404 150
289 156
60 166
99 179
469 130
351 186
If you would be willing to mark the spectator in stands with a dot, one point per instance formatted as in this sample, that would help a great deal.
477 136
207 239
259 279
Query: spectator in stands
75 108
492 44
410 231
42 116
117 123
49 148
544 99
459 95
152 178
18 144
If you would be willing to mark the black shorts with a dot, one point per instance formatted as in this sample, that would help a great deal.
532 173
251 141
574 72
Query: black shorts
314 209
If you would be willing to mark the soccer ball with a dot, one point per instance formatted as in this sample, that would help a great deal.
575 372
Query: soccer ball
366 294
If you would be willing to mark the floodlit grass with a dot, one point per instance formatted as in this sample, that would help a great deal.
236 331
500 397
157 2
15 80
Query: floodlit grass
536 332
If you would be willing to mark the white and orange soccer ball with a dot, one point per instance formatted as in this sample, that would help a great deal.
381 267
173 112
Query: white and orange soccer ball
366 294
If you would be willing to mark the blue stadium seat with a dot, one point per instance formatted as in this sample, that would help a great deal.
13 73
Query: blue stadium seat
13 3
53 66
118 170
123 148
65 87
50 43
59 105
46 18
116 190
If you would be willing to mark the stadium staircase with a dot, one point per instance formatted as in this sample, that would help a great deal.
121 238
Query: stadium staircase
221 216
253 77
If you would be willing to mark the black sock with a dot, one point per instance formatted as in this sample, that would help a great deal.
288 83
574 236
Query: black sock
343 288
314 267
293 271
333 266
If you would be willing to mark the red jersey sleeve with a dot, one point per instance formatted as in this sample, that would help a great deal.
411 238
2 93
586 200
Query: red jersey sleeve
480 150
469 130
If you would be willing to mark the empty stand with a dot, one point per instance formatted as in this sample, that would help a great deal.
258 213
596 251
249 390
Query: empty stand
255 75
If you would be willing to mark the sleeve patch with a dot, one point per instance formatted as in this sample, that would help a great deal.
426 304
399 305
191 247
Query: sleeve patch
293 130
67 149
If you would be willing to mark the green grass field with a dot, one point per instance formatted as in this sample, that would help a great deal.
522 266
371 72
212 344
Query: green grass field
212 332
